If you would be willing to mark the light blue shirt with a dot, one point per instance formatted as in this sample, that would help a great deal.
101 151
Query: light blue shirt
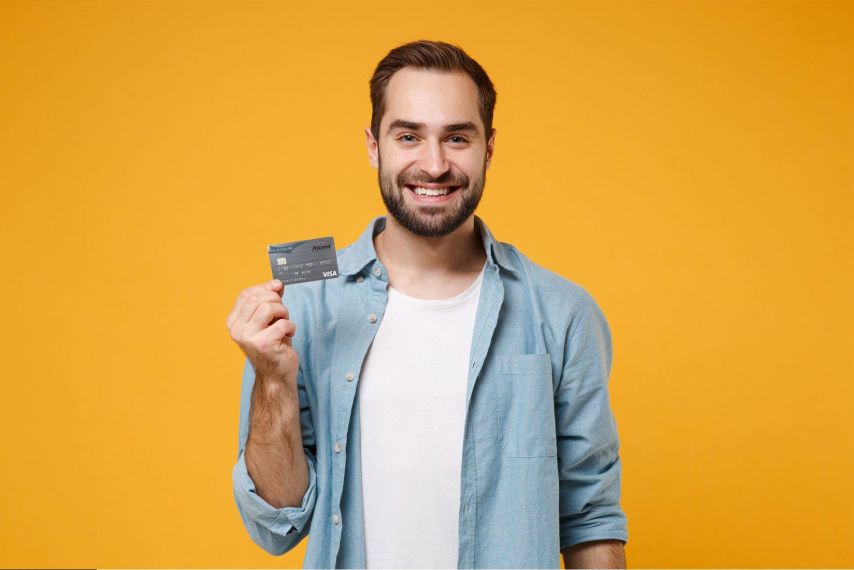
541 468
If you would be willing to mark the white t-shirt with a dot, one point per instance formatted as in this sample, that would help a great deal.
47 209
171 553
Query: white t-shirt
412 399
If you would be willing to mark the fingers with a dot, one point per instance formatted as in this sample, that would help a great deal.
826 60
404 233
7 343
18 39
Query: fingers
248 300
266 313
242 298
280 331
260 325
250 306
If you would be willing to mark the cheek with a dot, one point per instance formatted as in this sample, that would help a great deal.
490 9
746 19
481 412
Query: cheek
472 168
471 160
392 163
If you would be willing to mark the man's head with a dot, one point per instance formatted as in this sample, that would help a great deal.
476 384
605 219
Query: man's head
431 132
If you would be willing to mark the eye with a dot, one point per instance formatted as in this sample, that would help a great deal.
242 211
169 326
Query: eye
402 138
459 138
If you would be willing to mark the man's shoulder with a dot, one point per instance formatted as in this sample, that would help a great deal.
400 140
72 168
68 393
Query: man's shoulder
546 284
564 306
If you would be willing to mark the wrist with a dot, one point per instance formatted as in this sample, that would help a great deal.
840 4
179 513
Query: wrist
276 387
275 406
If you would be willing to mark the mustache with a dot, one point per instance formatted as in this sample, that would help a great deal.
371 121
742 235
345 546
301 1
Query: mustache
447 179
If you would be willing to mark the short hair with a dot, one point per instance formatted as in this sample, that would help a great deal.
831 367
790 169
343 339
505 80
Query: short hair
430 55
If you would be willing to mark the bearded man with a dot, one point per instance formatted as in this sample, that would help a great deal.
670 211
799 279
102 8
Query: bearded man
444 402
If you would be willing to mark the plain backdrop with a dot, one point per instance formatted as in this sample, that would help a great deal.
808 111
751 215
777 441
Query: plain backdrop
688 162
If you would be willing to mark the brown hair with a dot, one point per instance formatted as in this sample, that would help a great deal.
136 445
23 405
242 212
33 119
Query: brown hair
426 54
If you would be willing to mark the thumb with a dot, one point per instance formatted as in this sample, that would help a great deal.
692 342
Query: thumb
278 286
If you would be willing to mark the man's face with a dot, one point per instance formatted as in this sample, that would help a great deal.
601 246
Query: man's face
432 153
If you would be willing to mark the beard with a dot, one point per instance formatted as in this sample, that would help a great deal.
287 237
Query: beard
431 221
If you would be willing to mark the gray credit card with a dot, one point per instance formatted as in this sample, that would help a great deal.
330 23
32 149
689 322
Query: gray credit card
301 261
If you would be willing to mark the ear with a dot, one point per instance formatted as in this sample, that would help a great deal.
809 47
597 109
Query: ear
490 147
373 147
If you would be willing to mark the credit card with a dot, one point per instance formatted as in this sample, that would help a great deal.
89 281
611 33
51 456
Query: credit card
302 261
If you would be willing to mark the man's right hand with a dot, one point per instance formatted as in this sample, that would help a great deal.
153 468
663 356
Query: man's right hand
260 326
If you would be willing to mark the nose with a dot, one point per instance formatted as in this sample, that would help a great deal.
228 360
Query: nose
433 160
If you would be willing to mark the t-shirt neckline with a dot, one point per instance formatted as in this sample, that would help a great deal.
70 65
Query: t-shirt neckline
457 299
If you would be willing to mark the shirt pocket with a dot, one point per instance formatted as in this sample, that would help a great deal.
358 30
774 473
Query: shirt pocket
526 416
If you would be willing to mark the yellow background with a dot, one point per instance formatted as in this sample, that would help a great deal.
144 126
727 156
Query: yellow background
689 163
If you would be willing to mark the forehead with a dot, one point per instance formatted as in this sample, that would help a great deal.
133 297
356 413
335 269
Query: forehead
432 97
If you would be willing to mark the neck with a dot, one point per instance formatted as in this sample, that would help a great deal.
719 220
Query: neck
402 251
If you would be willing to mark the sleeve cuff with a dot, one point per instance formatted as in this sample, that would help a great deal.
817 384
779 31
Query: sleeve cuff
282 521
564 544
613 529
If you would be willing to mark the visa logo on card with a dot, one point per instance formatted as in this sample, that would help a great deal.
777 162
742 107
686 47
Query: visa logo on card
302 261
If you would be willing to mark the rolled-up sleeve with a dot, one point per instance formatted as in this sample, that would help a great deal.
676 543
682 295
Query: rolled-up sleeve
588 444
276 530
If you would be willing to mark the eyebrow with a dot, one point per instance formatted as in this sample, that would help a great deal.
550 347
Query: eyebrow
467 126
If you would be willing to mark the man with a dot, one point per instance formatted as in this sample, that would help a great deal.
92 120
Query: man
444 402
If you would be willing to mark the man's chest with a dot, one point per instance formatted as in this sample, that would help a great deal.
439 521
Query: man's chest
414 378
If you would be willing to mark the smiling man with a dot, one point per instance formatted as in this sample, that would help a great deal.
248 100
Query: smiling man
444 403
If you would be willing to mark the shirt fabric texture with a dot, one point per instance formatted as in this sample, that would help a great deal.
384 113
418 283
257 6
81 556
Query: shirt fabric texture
412 406
540 465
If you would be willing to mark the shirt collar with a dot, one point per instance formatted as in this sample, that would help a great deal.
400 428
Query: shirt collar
362 251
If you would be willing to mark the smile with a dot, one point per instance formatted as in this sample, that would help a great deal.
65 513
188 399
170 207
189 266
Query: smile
423 192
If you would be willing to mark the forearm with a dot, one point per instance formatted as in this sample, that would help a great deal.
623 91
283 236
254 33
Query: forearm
274 453
595 554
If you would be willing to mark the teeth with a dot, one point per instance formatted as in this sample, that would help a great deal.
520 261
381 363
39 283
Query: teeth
430 191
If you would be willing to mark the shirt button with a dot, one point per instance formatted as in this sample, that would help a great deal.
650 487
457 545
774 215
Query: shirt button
359 279
372 317
336 519
337 447
378 271
349 376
